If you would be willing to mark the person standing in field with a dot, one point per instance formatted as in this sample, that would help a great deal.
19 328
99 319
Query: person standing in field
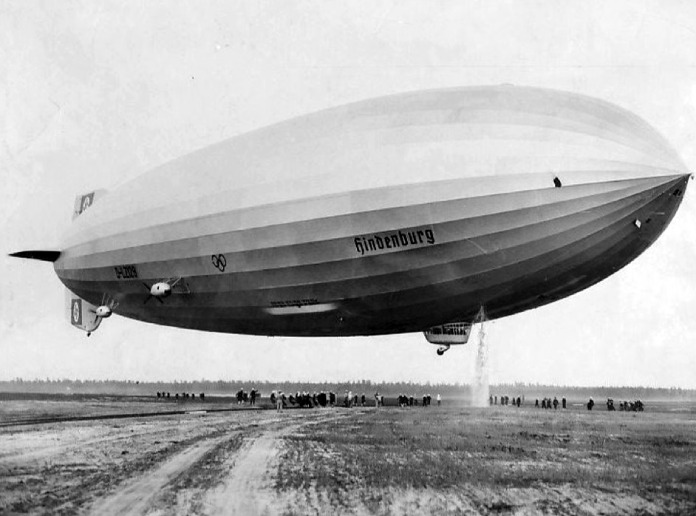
439 399
279 401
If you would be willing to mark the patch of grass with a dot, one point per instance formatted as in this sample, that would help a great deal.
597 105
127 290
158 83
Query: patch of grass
442 449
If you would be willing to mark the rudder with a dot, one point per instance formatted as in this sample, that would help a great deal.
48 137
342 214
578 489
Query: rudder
85 201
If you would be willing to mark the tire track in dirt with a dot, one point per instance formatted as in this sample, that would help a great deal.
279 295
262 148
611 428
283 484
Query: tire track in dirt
248 488
137 496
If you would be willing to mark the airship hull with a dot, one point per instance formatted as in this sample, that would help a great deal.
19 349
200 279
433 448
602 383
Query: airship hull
385 216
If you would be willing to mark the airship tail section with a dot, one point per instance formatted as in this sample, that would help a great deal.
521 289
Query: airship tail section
82 314
82 203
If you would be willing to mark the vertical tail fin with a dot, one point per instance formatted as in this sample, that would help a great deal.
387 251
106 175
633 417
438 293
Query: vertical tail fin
83 202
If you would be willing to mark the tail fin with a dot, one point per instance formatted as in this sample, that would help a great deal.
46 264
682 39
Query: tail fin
83 202
44 256
82 314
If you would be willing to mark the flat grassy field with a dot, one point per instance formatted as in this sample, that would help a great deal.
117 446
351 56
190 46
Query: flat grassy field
434 460
498 459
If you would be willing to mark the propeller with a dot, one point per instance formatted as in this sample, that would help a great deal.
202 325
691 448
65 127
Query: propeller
158 290
106 308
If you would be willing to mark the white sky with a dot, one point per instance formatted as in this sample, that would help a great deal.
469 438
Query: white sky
95 93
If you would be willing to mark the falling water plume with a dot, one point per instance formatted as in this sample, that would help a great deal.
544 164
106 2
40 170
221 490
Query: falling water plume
480 390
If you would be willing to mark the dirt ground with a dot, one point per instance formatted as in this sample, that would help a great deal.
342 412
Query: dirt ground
448 460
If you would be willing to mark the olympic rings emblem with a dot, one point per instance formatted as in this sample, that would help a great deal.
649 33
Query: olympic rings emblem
219 262
76 311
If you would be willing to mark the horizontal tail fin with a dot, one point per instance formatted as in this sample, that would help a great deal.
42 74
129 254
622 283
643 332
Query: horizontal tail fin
44 256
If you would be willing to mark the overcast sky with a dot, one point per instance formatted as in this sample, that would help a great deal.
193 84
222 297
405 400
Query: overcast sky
95 93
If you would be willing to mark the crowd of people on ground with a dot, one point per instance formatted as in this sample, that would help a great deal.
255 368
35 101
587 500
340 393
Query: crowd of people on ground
411 401
184 396
505 400
243 397
304 399
349 399
625 406
548 403
554 403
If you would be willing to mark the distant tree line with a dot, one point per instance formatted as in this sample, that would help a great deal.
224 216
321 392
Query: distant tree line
230 387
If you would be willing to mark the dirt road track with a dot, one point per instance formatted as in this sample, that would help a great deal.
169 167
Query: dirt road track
248 488
137 496
244 488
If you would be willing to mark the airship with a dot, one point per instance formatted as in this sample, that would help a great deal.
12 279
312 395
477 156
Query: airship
411 212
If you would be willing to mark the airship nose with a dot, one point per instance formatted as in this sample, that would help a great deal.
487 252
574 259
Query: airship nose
680 188
661 209
681 185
